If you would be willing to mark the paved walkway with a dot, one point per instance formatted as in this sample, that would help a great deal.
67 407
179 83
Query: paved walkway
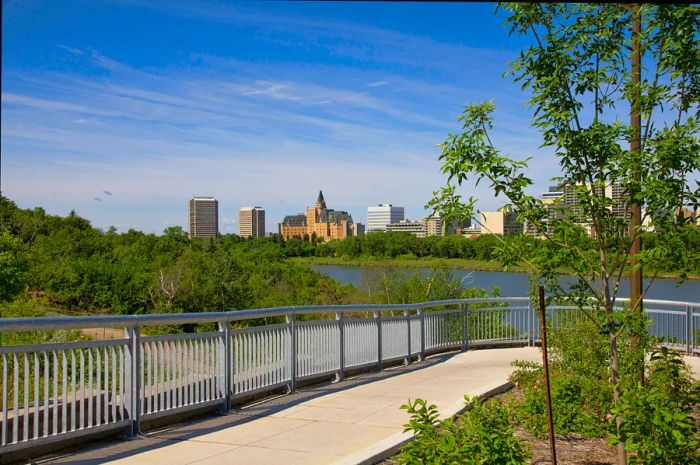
343 423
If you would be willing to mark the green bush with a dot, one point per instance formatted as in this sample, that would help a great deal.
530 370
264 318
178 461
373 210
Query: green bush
482 435
579 377
579 406
657 425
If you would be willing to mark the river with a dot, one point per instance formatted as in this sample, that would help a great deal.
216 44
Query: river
510 284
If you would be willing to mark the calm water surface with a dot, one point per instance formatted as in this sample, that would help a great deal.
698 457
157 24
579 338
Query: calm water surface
511 284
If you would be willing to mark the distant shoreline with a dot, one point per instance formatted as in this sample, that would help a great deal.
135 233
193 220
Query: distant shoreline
451 263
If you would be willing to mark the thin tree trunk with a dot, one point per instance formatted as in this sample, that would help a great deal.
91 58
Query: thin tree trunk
615 368
636 287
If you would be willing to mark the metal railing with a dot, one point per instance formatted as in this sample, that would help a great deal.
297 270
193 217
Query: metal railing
59 391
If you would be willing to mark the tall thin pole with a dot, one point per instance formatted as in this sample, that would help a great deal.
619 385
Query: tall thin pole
635 152
543 329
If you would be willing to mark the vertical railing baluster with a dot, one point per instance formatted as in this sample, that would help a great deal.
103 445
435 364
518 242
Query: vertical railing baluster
81 406
188 368
114 383
55 392
378 319
465 327
407 314
225 328
122 385
64 393
291 322
141 373
206 365
98 389
90 393
209 367
25 429
3 440
159 356
133 380
192 378
105 396
35 417
421 321
73 405
688 329
15 403
340 318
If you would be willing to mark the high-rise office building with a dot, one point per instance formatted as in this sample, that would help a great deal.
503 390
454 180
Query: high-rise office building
203 217
381 215
251 222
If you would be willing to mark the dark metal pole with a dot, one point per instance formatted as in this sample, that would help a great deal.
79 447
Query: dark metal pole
543 326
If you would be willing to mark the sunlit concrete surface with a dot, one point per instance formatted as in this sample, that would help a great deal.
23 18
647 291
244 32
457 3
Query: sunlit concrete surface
694 364
352 422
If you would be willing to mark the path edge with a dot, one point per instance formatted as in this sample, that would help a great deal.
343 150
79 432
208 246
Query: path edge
390 446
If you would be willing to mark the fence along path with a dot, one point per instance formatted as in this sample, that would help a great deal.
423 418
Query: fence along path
57 392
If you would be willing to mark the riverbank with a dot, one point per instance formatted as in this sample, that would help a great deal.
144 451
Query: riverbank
430 262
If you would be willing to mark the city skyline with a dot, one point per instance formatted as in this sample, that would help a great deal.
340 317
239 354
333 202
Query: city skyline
231 100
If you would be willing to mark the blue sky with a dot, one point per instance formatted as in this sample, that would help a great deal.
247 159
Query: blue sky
124 110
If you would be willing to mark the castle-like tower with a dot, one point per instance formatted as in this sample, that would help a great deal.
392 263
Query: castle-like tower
327 224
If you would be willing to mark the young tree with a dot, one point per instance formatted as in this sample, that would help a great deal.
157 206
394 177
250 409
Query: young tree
580 75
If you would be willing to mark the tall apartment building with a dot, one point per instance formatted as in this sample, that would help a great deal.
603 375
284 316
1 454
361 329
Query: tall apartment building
203 217
251 222
326 223
433 226
381 215
500 222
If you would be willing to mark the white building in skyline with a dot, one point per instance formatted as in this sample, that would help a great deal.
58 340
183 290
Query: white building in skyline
251 222
381 215
418 228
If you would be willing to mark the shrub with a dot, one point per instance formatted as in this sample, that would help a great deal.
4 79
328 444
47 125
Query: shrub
657 426
482 435
653 430
579 406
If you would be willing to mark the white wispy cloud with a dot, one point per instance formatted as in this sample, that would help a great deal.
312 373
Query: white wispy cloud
248 132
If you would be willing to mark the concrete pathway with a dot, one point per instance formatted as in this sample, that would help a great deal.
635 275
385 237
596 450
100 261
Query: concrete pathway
352 422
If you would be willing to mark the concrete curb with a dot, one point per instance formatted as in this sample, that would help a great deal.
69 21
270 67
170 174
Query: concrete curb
390 446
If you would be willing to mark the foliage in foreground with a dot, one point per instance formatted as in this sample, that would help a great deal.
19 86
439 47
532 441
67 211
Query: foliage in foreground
483 435
657 426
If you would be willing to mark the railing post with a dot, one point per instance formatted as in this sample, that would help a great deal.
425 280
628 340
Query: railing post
407 313
465 327
378 318
133 390
689 329
292 323
421 319
341 332
693 330
530 324
225 329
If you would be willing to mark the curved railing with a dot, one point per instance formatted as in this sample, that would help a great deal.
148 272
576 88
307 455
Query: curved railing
55 392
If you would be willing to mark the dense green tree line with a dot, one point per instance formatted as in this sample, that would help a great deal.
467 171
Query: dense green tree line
486 247
71 265
76 265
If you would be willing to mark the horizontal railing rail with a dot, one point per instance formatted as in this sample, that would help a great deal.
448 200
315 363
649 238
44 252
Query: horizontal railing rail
59 391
